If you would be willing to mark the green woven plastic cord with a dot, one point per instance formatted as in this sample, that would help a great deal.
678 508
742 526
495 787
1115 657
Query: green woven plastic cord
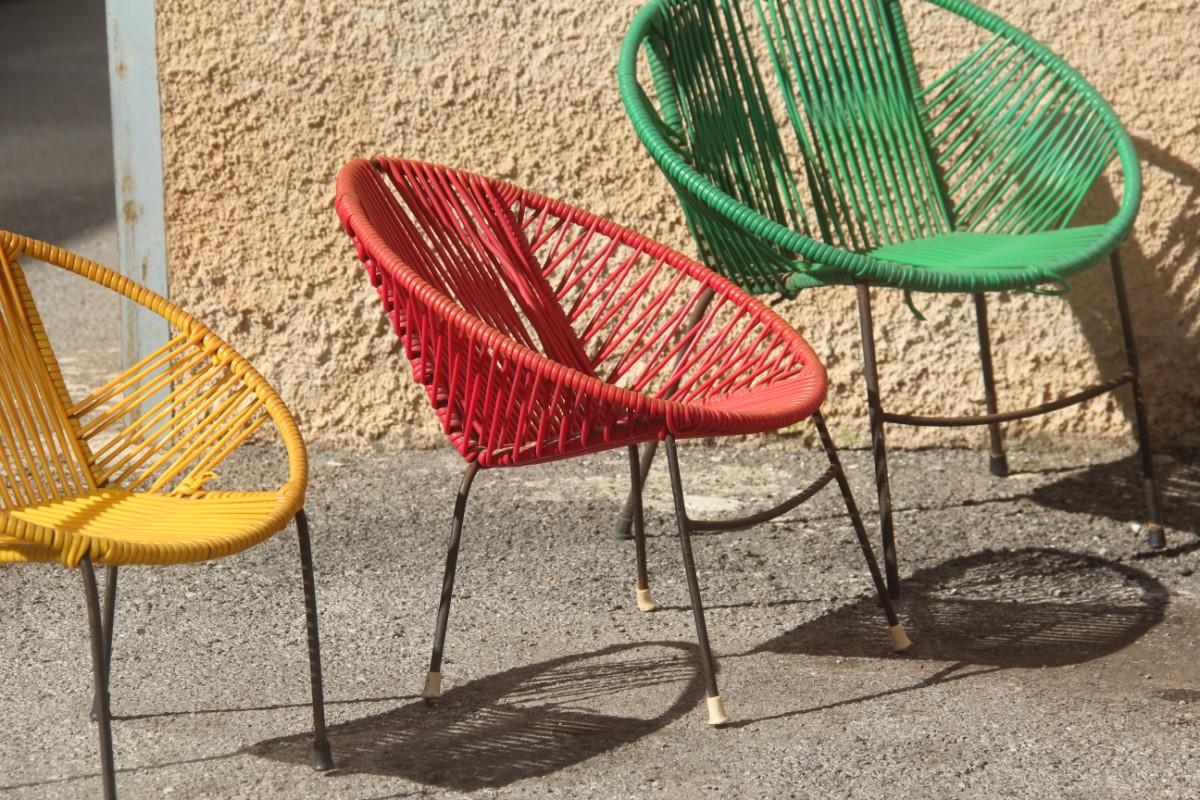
805 151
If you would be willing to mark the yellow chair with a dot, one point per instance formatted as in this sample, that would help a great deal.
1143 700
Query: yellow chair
119 476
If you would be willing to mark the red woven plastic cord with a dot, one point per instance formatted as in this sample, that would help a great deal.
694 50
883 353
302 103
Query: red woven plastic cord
541 331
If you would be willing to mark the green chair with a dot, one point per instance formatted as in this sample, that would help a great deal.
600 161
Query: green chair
807 152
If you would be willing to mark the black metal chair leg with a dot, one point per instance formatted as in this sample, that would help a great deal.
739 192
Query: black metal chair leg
1154 528
716 708
322 755
433 680
900 639
109 613
624 525
100 674
645 601
625 519
878 443
997 460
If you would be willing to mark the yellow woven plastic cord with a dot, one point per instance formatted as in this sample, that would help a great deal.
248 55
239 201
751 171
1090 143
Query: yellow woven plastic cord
118 527
121 476
15 551
40 455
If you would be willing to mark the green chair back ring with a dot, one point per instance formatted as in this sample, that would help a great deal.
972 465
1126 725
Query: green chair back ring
806 151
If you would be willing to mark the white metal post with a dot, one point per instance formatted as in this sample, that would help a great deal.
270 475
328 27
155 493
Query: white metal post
138 167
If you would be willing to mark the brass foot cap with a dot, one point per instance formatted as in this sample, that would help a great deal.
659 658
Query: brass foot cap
433 686
900 639
716 712
644 601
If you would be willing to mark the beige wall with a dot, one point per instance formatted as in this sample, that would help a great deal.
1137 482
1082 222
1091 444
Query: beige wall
263 102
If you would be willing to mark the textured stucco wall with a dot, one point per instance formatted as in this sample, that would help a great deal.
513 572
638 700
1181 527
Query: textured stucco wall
263 102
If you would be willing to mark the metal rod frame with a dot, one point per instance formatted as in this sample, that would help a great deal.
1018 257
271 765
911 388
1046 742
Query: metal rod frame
624 519
707 665
1155 534
1009 416
860 530
100 662
443 617
322 755
741 523
687 526
998 461
878 442
639 519
100 628
108 614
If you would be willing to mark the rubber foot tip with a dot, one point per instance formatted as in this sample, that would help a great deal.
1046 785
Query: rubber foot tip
998 466
623 529
644 601
322 757
716 712
900 640
433 686
1156 536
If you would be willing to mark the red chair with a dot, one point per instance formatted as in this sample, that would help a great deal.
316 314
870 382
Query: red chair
542 332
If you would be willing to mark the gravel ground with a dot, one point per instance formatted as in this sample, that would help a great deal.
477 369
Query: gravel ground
1053 656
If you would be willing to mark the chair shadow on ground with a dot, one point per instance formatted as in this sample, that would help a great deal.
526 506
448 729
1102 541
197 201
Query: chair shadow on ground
990 611
1162 274
1033 607
522 723
1114 490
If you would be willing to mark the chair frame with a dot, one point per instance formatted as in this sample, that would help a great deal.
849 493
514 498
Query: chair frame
100 633
998 460
87 552
686 525
867 271
361 186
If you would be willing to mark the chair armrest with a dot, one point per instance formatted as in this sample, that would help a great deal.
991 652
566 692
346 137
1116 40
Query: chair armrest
166 422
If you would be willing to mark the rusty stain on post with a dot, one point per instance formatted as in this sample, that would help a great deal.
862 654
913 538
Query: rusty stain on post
137 157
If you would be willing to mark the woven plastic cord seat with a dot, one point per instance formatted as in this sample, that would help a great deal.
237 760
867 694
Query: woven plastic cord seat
542 332
119 477
806 152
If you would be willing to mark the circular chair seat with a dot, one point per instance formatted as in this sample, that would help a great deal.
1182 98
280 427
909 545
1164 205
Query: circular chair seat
112 526
563 332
